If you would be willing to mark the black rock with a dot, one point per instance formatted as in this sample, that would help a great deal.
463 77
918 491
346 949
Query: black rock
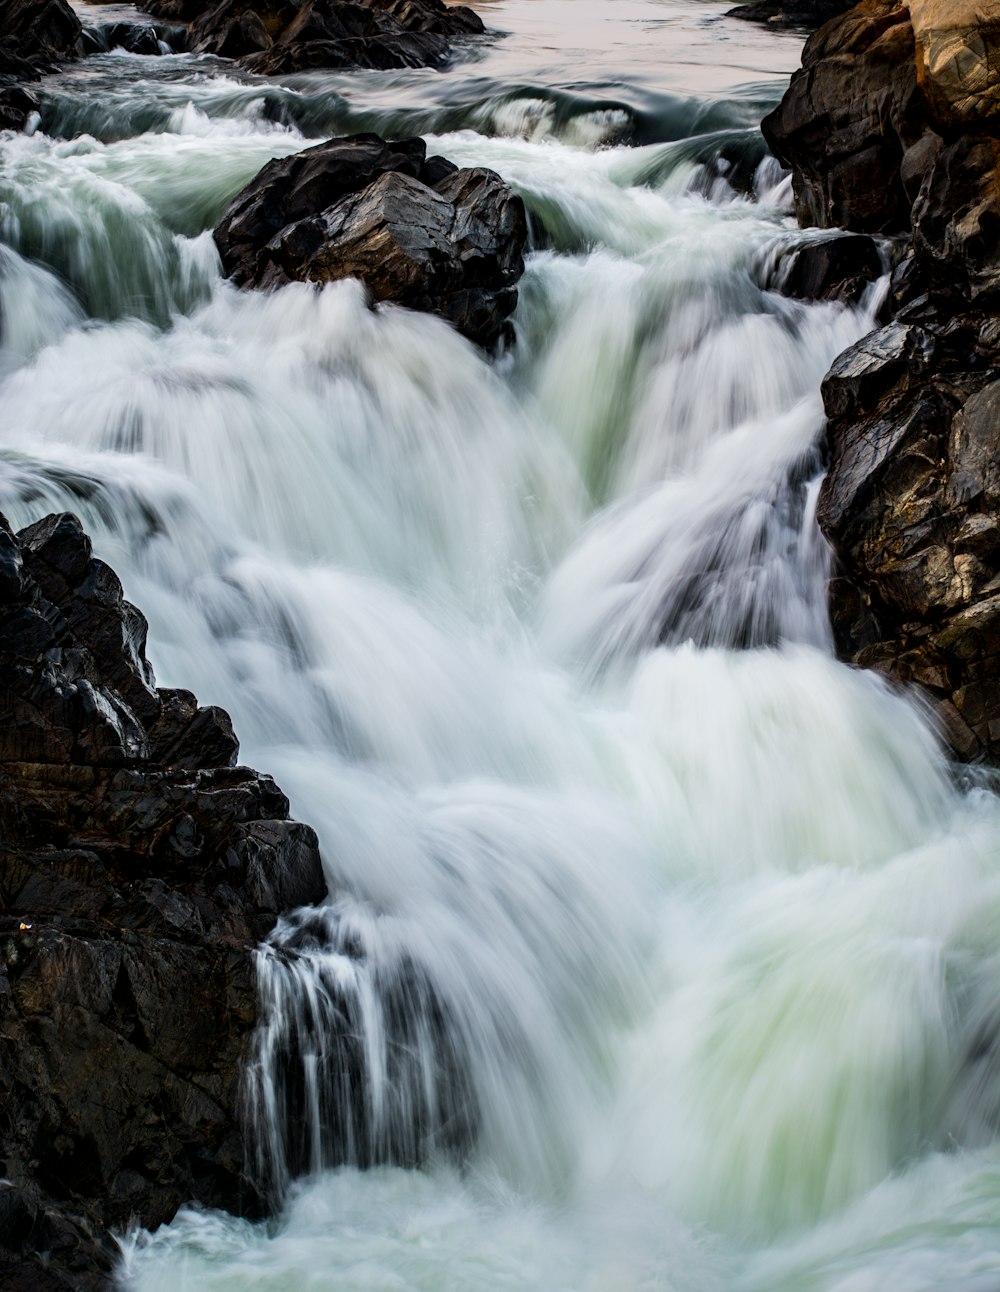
415 230
795 15
139 868
837 268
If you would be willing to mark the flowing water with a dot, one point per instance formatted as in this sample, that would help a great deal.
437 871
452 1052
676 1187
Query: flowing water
661 950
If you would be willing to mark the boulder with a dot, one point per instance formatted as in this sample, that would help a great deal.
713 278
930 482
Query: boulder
40 32
140 865
275 37
850 113
838 268
415 230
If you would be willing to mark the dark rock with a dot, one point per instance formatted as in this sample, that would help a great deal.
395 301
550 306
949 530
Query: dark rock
275 37
139 868
956 217
135 37
39 31
849 115
796 15
416 231
889 126
17 106
837 268
910 503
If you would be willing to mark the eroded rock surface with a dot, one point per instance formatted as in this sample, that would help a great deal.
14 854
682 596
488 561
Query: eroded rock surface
35 35
139 867
282 36
891 126
415 229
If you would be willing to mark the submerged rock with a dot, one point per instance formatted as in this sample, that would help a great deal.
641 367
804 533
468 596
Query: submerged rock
889 126
415 229
139 868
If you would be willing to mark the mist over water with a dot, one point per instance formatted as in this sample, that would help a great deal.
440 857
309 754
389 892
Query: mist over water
661 949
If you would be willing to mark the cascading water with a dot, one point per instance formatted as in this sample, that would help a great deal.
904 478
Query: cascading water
661 947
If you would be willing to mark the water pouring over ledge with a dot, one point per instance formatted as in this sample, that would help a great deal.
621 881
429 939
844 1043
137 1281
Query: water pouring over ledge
664 944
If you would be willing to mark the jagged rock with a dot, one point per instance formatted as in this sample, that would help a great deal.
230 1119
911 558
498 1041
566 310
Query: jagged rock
910 503
836 268
139 868
414 229
136 38
956 218
39 31
886 127
958 62
849 115
802 15
275 37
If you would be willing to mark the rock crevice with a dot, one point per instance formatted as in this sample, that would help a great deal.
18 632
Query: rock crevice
139 867
891 126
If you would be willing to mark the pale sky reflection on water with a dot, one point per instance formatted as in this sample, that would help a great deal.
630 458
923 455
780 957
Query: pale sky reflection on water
686 46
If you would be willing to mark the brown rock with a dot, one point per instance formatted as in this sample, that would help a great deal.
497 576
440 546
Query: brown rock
958 62
413 229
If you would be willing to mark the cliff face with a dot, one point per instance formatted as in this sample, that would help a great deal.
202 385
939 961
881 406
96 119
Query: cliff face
139 867
892 126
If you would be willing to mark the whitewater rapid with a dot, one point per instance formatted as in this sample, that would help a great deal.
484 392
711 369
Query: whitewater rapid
661 950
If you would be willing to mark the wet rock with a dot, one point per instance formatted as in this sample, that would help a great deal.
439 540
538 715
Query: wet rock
40 32
837 268
139 868
796 15
910 503
17 107
414 229
890 125
275 37
849 115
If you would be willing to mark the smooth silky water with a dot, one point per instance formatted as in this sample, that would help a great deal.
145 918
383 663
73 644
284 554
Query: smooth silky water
661 950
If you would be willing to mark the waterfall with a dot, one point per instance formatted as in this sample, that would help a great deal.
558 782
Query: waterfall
660 949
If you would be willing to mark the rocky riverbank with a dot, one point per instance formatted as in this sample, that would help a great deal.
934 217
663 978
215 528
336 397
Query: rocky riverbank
270 37
140 865
891 127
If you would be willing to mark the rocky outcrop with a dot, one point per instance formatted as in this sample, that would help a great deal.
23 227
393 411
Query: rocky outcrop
35 35
796 15
415 229
891 126
38 33
139 867
282 36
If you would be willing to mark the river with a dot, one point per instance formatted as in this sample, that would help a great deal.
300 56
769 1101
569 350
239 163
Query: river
661 950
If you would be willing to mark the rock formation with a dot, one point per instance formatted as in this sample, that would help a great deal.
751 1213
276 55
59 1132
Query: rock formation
415 229
282 36
798 15
139 868
34 36
891 126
